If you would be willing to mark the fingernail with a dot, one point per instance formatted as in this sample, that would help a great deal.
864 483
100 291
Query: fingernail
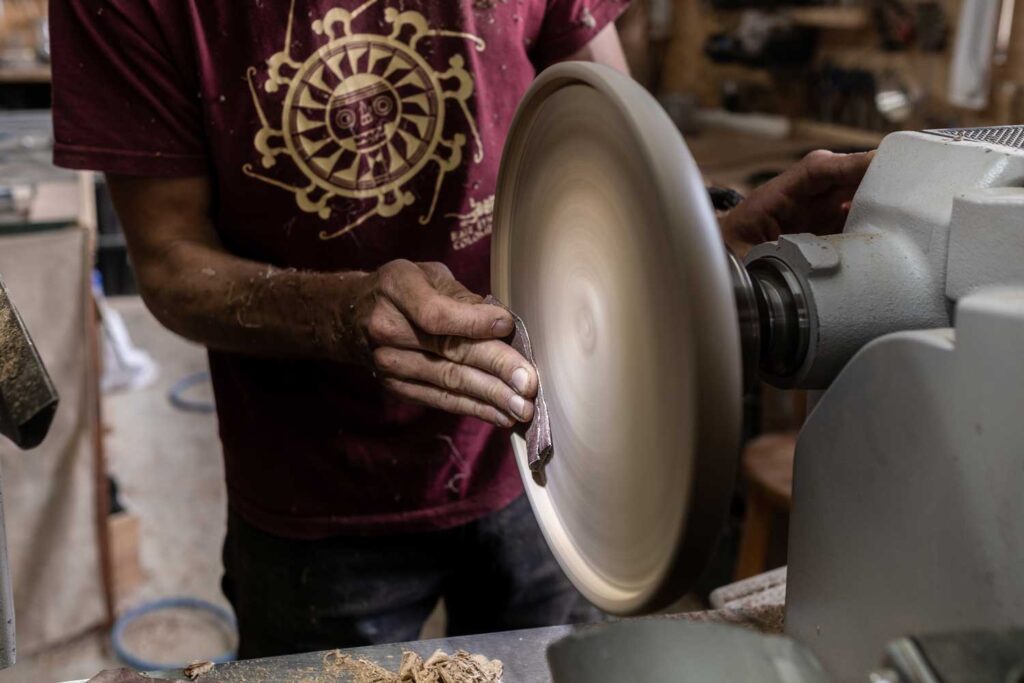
517 404
521 380
502 327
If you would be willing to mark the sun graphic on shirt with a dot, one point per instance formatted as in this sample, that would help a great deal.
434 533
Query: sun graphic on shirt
364 114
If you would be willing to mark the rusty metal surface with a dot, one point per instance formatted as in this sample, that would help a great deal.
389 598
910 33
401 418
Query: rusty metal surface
28 402
28 399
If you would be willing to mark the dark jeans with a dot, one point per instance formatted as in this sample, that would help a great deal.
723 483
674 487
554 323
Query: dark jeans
292 596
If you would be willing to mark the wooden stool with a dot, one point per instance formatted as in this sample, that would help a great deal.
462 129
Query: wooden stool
767 470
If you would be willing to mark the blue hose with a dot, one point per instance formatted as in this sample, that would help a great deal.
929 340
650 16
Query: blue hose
175 394
126 619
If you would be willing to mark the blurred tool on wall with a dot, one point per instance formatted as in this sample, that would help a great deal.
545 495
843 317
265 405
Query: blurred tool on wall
28 402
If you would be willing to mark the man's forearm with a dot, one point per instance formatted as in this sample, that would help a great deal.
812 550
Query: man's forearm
199 290
233 304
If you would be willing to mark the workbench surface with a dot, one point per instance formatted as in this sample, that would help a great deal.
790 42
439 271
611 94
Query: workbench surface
521 652
756 604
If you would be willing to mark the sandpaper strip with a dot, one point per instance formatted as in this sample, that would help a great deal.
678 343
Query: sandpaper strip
539 448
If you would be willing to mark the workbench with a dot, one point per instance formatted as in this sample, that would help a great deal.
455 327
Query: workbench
521 652
756 604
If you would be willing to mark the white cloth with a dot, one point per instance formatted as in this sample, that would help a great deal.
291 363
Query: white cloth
125 366
971 72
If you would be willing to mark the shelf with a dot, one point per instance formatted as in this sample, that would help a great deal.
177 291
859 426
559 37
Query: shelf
834 18
25 74
833 134
839 18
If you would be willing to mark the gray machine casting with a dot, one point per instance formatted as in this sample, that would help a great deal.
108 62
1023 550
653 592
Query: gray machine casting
907 513
937 217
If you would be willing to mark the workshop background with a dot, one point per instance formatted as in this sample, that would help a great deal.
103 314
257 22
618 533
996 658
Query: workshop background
122 510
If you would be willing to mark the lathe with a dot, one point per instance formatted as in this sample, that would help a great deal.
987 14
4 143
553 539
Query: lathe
907 514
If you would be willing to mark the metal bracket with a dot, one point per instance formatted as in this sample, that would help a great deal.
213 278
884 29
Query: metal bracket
1007 136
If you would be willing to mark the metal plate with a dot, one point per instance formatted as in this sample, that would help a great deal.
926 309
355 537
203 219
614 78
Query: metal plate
671 650
1006 136
606 244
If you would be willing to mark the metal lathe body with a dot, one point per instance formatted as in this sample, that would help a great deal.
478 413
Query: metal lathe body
907 514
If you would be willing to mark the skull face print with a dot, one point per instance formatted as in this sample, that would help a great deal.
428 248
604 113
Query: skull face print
364 114
365 118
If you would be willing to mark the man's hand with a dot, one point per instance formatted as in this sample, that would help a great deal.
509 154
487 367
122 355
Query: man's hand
432 341
428 338
812 196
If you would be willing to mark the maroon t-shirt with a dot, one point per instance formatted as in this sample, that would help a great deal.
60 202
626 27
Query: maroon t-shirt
338 134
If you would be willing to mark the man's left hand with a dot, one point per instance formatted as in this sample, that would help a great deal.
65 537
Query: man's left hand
812 196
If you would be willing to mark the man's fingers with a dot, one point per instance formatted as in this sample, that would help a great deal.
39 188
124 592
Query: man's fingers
831 211
825 170
447 401
458 379
443 316
494 357
457 291
413 292
426 327
444 282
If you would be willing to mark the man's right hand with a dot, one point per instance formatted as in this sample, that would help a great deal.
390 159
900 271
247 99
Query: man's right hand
432 341
427 337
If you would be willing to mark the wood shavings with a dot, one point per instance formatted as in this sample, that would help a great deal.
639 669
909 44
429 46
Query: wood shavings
461 667
361 670
197 669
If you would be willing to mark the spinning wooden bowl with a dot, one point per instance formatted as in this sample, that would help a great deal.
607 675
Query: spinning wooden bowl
606 244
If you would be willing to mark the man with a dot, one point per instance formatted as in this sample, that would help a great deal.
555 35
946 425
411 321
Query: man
273 164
